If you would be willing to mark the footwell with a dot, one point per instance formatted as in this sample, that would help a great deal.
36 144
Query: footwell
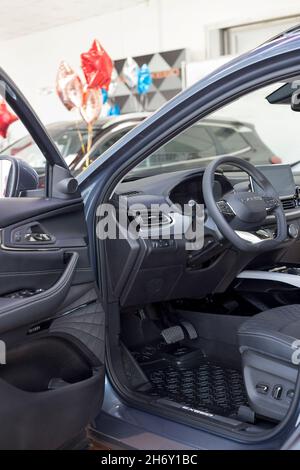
189 378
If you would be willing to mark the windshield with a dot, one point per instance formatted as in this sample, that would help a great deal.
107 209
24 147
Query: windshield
202 143
250 128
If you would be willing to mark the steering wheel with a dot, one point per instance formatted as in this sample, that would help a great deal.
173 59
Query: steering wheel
239 213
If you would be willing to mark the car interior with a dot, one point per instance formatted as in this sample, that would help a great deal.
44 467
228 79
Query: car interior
198 316
207 334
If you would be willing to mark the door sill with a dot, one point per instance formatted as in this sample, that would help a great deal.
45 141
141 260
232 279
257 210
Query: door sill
217 425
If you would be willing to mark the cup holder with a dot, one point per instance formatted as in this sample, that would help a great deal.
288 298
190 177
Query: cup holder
45 364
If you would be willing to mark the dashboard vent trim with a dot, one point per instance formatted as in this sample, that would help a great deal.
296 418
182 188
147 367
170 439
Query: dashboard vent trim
131 193
151 219
289 204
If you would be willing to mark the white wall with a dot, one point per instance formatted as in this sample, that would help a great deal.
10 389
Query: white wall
156 25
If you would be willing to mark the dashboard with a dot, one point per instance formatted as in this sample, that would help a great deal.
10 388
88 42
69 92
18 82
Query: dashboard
191 189
178 187
156 268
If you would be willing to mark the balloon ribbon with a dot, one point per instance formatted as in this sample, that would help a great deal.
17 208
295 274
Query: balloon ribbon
89 144
80 138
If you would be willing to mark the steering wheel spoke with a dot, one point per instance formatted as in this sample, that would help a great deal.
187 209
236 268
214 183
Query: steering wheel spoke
225 208
271 203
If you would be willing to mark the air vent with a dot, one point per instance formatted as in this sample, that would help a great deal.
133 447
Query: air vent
150 218
131 193
289 204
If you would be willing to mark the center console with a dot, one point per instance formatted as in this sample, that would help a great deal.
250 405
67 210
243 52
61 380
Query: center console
283 274
283 181
269 287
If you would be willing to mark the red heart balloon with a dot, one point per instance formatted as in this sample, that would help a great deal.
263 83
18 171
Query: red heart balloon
97 66
6 119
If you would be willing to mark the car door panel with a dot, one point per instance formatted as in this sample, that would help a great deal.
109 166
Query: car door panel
52 323
47 419
40 262
15 312
15 209
65 318
28 270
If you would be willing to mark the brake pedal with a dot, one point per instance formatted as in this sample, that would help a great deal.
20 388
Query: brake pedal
172 335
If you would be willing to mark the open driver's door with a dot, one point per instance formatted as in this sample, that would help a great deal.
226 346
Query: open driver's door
51 319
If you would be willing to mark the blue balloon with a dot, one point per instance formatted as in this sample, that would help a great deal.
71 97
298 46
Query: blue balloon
104 95
144 80
114 110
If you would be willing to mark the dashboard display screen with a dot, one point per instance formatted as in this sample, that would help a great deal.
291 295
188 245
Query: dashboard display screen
281 177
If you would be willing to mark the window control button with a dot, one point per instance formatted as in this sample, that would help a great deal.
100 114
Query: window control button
277 392
262 388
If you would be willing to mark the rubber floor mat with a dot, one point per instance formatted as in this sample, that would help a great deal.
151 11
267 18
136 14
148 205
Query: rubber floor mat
209 386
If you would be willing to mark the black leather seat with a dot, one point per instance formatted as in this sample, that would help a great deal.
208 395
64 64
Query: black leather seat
269 348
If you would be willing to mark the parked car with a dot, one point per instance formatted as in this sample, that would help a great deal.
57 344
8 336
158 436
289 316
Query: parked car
71 139
199 144
186 337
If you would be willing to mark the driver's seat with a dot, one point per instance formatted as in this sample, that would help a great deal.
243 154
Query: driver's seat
270 347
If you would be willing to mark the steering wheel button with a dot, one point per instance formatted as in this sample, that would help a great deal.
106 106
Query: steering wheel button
225 208
271 203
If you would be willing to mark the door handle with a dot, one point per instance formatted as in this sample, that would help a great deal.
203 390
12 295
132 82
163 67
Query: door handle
36 237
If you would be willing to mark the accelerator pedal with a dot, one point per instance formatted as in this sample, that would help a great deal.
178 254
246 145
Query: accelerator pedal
177 333
190 329
172 335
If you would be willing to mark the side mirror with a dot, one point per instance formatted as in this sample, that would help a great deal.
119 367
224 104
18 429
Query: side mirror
16 176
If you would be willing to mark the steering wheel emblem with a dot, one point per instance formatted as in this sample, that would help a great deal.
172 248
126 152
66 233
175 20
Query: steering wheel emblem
251 198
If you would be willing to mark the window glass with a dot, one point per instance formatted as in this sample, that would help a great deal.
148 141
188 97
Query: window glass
106 144
24 148
27 150
193 144
70 143
229 139
260 127
98 150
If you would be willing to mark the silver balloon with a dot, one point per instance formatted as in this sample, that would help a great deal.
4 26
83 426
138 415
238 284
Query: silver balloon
113 83
130 72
